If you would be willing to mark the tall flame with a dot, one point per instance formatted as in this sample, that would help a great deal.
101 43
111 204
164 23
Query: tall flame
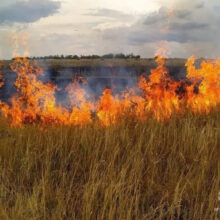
81 108
206 79
35 102
160 92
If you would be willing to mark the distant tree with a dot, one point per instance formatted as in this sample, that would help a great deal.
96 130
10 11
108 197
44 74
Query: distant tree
69 57
93 56
75 57
108 56
120 56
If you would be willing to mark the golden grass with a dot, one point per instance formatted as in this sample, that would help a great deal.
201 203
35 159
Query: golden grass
136 170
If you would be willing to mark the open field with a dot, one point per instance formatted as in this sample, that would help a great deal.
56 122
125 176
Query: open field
67 68
151 152
135 170
109 110
105 62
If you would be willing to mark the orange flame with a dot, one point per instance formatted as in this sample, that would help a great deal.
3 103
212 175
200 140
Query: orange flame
206 78
35 101
160 92
81 109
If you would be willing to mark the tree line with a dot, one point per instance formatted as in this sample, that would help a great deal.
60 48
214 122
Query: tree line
76 57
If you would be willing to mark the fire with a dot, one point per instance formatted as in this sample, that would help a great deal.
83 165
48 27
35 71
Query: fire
156 96
34 100
81 108
160 92
206 78
111 109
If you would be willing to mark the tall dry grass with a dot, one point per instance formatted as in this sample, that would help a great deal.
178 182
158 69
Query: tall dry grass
135 170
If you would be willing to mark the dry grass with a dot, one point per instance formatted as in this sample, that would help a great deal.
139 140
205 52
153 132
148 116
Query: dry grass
147 170
135 63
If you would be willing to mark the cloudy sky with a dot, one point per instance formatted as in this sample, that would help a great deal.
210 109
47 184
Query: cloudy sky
183 27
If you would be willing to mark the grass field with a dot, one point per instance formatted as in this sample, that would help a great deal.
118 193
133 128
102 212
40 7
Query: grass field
135 170
136 63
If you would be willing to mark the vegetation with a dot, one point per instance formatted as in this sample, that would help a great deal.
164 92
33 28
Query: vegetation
135 170
139 65
76 57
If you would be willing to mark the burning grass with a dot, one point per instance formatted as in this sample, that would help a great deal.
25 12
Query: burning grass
133 170
157 96
146 154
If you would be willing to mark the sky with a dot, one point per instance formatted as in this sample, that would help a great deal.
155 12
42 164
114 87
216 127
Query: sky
83 27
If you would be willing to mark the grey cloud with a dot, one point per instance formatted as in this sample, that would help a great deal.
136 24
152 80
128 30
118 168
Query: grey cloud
108 13
28 11
177 37
216 10
56 37
156 17
188 26
182 14
162 16
200 5
141 39
192 29
182 27
154 36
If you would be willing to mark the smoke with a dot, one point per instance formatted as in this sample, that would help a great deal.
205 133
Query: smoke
119 79
182 4
97 80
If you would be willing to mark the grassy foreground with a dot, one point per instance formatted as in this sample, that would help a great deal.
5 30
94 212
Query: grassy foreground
144 170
